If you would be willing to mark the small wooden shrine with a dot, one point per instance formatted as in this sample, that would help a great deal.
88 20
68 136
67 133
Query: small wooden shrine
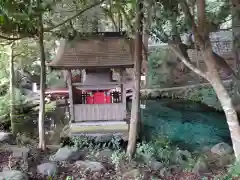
97 98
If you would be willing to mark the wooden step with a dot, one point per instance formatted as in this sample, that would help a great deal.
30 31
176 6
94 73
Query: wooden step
98 127
94 123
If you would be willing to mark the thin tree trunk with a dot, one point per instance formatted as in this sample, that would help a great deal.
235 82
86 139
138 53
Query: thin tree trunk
236 44
70 90
225 100
212 74
42 144
213 77
215 80
12 91
135 112
145 43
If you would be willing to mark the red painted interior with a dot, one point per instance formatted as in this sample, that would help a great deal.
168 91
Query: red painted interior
94 98
99 97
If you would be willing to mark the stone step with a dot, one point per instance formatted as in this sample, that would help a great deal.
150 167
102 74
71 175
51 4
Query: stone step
98 128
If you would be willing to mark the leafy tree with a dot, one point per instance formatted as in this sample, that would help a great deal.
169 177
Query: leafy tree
201 35
135 111
28 21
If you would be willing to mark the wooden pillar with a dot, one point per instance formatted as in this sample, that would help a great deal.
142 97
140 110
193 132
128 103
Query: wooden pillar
70 91
123 89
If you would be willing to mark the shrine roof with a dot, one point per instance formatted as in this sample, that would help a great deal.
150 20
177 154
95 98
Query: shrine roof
101 50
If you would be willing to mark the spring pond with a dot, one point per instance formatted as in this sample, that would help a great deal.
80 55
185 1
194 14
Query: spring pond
187 124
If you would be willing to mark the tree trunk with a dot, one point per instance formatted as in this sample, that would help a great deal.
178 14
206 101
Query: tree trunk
145 57
146 27
135 112
215 80
70 90
11 90
225 100
212 74
236 46
42 144
230 113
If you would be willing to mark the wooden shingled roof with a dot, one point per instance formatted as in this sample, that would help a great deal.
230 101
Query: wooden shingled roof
108 50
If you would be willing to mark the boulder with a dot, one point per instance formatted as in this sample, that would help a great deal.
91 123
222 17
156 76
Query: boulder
90 165
200 167
6 137
135 173
66 154
104 154
164 172
222 149
20 152
13 175
225 160
181 157
47 169
155 165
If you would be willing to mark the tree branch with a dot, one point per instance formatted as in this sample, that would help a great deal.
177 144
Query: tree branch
188 14
79 13
187 63
110 15
12 38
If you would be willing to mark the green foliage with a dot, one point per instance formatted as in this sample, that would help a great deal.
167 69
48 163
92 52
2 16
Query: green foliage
116 157
233 172
168 19
69 178
21 17
145 151
160 67
162 150
20 102
81 142
85 141
55 79
49 107
115 142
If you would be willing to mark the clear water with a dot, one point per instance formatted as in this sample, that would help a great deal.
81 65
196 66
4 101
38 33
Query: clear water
189 125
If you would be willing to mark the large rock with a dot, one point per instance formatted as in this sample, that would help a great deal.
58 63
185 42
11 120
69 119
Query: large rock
134 173
181 157
66 154
90 165
13 175
155 165
104 154
47 169
20 152
6 137
222 149
201 166
225 160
